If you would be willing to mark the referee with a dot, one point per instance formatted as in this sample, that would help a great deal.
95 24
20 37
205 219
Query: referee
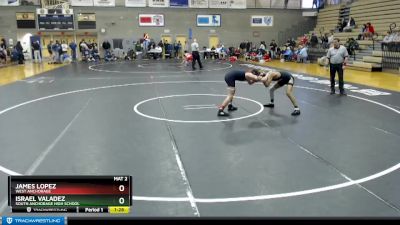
195 54
337 56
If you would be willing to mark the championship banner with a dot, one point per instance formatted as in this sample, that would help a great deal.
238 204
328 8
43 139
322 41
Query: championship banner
30 2
151 20
263 3
9 2
293 4
219 4
262 21
198 3
280 4
135 3
81 2
209 20
158 3
238 4
179 3
104 3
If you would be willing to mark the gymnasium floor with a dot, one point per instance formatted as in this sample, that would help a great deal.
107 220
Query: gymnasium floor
156 121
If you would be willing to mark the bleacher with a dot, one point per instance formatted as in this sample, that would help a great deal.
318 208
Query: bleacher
380 13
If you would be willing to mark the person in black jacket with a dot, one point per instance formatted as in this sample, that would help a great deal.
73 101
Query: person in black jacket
106 46
20 51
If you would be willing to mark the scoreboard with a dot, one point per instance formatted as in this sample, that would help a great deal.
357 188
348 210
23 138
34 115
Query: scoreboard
70 194
55 20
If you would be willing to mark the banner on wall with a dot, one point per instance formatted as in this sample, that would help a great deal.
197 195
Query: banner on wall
262 21
263 3
81 2
9 2
179 3
219 4
209 20
151 20
135 3
237 4
286 4
104 3
280 4
198 3
30 2
158 3
293 4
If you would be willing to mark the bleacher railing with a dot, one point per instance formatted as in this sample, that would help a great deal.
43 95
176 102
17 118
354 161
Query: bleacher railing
391 51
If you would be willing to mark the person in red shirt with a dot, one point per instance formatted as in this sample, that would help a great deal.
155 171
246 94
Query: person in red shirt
370 31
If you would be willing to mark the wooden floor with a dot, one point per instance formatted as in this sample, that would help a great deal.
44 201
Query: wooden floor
389 81
12 73
382 80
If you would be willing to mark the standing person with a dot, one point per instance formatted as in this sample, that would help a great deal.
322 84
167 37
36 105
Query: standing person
36 52
20 52
231 77
179 47
273 46
195 54
282 78
106 46
286 3
3 47
73 47
337 56
3 50
49 47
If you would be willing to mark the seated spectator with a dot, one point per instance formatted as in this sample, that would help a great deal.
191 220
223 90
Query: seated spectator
350 25
342 25
389 38
352 45
324 40
3 55
370 31
302 55
314 41
304 39
330 39
287 55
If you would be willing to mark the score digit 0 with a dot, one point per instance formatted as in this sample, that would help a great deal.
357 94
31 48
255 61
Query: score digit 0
121 200
121 188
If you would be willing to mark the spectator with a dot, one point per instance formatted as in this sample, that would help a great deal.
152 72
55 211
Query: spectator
325 41
107 47
248 46
314 40
330 39
350 25
262 48
273 47
3 50
304 40
370 31
36 52
387 39
302 55
179 48
342 25
287 55
49 49
352 45
20 52
363 31
73 46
